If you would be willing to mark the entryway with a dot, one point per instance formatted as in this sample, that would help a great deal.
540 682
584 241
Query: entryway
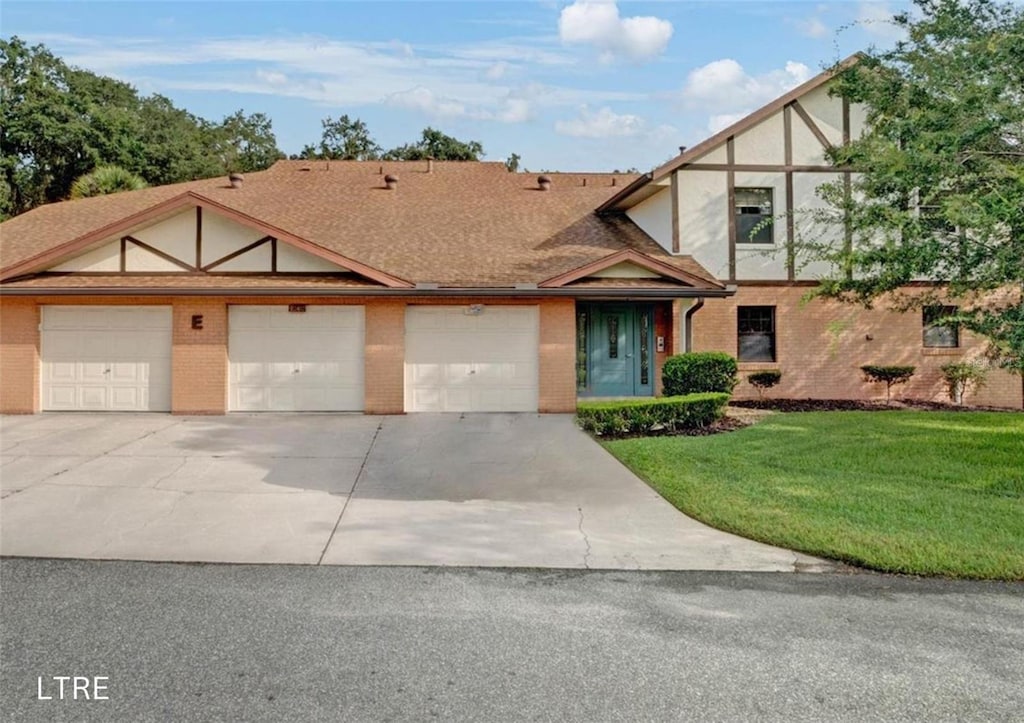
615 350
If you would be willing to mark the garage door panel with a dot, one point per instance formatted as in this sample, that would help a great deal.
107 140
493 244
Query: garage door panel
113 358
296 361
458 361
125 398
97 398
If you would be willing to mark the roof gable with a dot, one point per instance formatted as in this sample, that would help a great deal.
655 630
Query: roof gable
639 188
634 261
250 240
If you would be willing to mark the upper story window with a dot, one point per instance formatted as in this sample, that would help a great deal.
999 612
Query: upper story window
936 333
756 331
753 215
931 213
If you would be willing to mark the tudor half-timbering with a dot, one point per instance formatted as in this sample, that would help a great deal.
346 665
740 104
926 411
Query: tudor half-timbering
741 204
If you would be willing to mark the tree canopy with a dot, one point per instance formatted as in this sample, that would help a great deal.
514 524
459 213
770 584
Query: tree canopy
59 123
349 139
939 188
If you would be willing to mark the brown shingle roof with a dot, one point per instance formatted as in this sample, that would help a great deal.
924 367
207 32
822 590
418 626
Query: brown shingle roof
461 225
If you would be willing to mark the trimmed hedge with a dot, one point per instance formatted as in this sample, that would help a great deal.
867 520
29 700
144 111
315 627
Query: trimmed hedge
639 416
698 372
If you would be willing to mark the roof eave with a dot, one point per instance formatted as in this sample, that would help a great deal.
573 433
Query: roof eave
460 292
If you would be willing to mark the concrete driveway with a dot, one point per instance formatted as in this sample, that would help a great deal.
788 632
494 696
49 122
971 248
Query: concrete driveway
514 490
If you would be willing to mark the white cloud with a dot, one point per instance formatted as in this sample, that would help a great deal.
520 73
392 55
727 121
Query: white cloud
723 86
601 124
597 23
424 100
497 71
812 27
876 18
271 77
470 80
514 108
724 120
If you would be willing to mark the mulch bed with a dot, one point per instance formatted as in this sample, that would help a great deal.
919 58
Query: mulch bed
744 412
853 405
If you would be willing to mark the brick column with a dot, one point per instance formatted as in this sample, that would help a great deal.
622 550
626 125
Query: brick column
19 356
557 356
385 357
199 357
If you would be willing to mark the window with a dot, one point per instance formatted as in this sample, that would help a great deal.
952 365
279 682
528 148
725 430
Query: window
939 335
931 213
756 330
753 216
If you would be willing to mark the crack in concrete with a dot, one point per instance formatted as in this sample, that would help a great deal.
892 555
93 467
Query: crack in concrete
348 499
586 540
156 485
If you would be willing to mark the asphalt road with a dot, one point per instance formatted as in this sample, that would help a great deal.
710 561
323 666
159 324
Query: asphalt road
214 642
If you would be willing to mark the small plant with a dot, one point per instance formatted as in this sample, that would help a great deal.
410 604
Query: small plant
960 377
699 372
640 416
889 375
764 380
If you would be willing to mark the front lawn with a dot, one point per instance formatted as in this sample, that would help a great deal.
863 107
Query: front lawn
931 493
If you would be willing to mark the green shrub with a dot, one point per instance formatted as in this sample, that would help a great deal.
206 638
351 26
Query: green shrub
764 380
960 377
699 372
640 416
889 375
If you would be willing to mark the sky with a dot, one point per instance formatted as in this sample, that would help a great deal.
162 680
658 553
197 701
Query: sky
584 85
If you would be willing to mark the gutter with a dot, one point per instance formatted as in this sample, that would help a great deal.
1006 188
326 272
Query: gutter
504 292
688 339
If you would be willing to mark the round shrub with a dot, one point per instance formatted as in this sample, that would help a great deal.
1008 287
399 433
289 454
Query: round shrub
698 372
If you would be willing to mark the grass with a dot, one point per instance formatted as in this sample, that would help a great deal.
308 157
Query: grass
929 493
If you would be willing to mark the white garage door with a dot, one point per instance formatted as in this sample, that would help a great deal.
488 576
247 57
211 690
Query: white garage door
106 358
295 361
471 359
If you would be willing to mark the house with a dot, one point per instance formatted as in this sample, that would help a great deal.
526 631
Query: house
391 287
341 286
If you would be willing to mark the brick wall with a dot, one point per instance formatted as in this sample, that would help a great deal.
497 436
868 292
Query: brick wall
666 325
385 357
821 345
19 356
557 356
199 357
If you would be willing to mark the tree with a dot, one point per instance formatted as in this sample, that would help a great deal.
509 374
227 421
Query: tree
58 123
246 143
105 179
939 188
512 163
437 145
346 139
890 376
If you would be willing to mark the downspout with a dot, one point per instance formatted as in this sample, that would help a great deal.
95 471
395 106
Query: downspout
688 332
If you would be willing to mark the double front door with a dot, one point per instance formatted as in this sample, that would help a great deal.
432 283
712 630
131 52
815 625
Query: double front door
615 350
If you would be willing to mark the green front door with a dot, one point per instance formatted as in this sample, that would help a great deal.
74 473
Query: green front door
618 358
